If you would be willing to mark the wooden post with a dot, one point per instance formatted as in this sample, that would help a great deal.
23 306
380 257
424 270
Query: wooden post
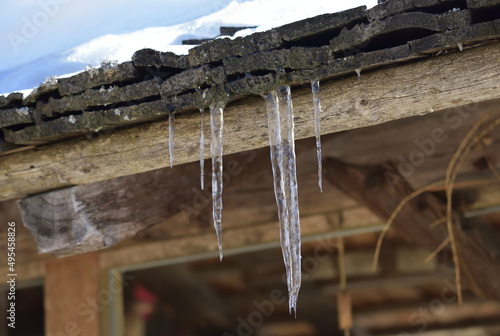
112 319
73 301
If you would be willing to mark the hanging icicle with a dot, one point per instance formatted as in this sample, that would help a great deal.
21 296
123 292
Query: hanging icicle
358 72
317 129
282 144
202 149
216 126
171 137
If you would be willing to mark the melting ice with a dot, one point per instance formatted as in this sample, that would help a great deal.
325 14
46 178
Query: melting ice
216 126
358 72
171 138
282 144
202 149
317 129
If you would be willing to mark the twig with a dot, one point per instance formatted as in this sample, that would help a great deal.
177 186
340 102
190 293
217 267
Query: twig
437 222
393 216
437 250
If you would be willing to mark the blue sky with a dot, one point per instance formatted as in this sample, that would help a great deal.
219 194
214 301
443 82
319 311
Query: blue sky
42 38
28 27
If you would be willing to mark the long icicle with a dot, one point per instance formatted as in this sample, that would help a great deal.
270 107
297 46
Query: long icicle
282 144
171 137
202 149
317 129
216 127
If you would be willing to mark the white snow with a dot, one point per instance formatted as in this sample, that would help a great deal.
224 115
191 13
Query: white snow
78 33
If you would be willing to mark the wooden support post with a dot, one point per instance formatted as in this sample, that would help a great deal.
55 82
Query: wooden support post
112 315
73 301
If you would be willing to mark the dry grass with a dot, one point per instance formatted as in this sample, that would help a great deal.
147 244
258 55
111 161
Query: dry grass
476 136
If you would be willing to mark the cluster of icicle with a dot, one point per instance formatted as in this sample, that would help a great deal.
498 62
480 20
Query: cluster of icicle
282 144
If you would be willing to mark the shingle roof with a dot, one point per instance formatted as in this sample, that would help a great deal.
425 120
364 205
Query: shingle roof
155 84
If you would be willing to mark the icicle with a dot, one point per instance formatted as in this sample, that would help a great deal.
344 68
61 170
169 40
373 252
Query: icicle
282 144
202 150
460 46
216 126
171 137
358 72
317 129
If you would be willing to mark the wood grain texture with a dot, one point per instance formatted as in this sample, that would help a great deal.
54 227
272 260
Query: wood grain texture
91 217
71 288
380 96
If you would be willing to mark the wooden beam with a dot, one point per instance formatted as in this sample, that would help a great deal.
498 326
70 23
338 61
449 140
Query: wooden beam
370 186
92 217
72 297
436 314
69 221
156 244
112 319
380 96
204 243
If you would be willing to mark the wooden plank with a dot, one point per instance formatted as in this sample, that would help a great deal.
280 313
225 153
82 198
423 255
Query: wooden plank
90 217
437 313
156 244
205 243
112 316
380 96
72 296
432 139
344 307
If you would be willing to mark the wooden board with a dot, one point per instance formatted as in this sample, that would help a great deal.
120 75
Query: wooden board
380 96
72 303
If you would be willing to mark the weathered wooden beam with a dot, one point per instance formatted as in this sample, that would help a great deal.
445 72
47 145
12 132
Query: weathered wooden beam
157 244
437 314
91 217
132 203
372 187
380 96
